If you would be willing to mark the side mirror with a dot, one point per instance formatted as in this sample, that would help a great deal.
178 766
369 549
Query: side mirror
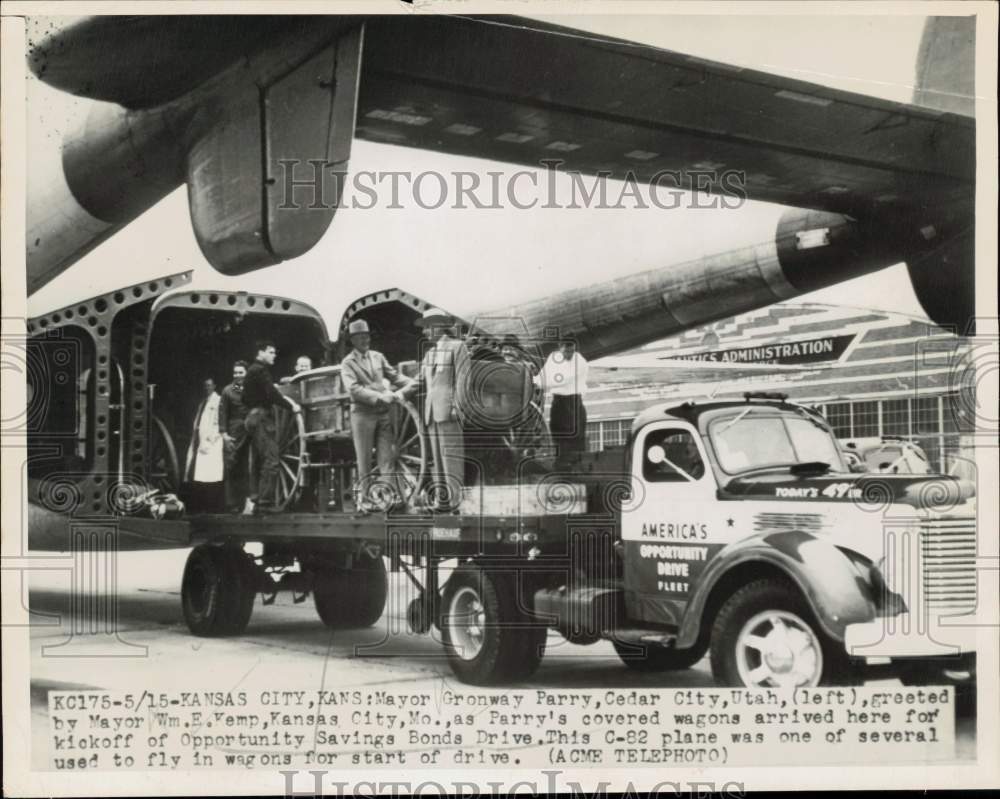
656 454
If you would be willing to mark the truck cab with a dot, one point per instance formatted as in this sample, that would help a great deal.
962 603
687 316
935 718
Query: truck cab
748 535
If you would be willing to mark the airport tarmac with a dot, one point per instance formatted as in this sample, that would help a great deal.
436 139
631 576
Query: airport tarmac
285 648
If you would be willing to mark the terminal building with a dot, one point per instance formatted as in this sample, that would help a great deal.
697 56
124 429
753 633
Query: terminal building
871 373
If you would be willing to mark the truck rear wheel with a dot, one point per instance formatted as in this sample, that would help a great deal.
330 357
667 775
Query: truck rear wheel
657 658
217 591
765 636
486 634
352 598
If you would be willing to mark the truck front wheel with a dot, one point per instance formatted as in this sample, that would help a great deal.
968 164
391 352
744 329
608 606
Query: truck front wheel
352 598
218 590
765 636
488 638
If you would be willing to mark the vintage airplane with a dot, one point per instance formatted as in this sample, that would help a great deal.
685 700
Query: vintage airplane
221 103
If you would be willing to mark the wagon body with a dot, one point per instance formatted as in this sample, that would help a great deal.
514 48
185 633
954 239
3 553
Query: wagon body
502 423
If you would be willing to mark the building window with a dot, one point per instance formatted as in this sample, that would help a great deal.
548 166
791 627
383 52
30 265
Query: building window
608 435
865 419
616 433
896 417
839 416
594 443
926 419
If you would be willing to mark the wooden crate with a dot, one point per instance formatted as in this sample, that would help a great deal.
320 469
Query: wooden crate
325 404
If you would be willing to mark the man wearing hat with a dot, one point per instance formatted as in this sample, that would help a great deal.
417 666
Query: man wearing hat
365 373
446 363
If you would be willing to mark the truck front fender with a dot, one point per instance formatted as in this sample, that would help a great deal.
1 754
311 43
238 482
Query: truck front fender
837 594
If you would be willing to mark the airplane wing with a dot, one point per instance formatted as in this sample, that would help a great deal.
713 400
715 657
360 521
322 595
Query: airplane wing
516 91
523 92
225 103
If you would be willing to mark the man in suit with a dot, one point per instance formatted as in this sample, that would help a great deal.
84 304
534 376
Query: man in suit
366 375
444 364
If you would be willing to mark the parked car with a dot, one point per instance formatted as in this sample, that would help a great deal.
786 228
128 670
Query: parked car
886 455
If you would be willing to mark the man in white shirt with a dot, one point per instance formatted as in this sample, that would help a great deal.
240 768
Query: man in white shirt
564 379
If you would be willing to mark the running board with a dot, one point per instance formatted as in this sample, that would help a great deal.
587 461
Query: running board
640 635
590 613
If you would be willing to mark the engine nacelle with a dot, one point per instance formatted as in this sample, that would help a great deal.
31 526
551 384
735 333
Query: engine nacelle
817 249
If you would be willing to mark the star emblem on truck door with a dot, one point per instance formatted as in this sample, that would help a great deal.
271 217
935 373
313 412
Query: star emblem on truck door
729 522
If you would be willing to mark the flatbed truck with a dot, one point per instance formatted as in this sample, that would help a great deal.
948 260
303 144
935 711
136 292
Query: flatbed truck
732 528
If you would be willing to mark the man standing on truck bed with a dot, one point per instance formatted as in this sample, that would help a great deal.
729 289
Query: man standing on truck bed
364 373
443 366
564 379
260 397
203 467
232 422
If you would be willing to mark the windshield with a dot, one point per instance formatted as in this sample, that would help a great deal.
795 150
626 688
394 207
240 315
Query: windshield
750 441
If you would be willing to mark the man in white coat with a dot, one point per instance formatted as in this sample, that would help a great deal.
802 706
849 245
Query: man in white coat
205 456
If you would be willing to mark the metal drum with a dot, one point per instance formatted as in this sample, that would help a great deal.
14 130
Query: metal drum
495 395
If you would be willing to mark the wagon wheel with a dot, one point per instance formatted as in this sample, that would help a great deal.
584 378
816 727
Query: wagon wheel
164 469
529 439
292 458
410 458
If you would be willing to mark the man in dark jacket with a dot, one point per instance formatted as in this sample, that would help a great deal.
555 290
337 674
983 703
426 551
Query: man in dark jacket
260 397
232 422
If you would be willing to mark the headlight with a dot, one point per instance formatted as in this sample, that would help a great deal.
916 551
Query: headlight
889 573
888 595
887 600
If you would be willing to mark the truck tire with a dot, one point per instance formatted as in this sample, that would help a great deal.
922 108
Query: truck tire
352 598
765 635
657 658
218 591
486 634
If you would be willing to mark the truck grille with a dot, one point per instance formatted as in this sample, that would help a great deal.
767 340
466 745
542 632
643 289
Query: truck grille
948 551
778 522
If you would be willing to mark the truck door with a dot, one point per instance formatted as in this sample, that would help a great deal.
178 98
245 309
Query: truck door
668 533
